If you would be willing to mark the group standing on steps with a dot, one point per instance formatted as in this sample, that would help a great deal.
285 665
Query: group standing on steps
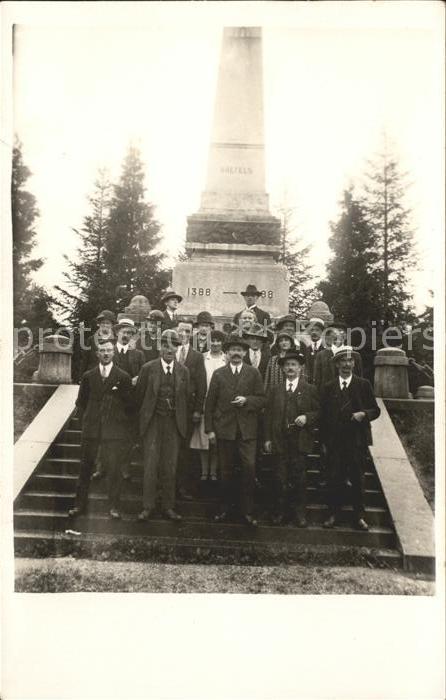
178 388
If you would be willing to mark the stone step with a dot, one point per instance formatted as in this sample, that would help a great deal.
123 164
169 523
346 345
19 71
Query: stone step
72 437
205 509
51 521
69 463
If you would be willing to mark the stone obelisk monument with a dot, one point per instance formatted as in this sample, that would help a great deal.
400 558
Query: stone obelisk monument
233 240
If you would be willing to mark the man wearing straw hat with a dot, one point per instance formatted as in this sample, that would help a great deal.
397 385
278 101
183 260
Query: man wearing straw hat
348 406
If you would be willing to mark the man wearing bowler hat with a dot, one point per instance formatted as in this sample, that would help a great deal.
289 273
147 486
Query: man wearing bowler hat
162 396
202 330
234 400
291 413
251 295
171 300
348 406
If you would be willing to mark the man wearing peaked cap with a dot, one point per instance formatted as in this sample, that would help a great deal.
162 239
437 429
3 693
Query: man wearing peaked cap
171 300
291 412
251 295
348 406
234 400
89 357
162 398
150 333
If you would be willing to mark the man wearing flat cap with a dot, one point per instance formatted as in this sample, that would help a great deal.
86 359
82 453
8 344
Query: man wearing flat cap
234 400
162 397
171 300
202 330
150 334
348 406
292 411
89 357
251 296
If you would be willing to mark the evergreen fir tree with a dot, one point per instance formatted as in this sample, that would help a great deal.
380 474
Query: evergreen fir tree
384 200
89 290
350 290
131 258
302 293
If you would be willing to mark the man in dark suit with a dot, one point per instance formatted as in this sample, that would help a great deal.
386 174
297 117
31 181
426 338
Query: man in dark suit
131 361
347 408
234 400
324 368
259 351
194 361
251 295
89 357
149 335
291 413
315 328
103 403
171 300
162 396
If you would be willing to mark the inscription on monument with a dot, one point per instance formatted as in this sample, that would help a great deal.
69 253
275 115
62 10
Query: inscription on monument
235 170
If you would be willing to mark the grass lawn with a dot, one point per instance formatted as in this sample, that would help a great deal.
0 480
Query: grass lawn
75 575
28 401
416 431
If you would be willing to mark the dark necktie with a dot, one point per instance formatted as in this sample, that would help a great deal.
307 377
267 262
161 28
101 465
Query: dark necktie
290 388
344 386
168 372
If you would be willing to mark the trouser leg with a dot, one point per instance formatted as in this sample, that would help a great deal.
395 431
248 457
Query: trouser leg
247 452
89 449
113 452
151 457
204 460
226 456
170 445
279 484
298 480
335 480
357 462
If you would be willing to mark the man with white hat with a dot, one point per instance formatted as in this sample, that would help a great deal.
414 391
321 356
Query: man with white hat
348 406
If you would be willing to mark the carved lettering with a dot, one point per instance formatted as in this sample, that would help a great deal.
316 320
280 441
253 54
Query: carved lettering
235 170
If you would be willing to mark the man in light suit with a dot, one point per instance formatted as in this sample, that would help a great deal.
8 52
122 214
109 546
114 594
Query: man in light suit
103 405
162 396
235 398
348 406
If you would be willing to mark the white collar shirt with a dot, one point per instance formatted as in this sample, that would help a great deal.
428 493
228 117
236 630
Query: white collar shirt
165 365
182 352
236 369
346 381
122 348
255 356
105 369
292 384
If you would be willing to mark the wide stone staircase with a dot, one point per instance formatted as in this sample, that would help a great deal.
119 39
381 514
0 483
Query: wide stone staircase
40 514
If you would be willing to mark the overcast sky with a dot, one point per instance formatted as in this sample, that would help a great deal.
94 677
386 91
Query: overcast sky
83 93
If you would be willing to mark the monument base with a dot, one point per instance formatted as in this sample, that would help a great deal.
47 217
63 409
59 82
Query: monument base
216 274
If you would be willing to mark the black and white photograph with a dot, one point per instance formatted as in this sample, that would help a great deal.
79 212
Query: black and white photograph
225 232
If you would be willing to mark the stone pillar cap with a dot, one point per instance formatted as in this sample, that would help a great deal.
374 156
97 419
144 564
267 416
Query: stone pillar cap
56 343
391 356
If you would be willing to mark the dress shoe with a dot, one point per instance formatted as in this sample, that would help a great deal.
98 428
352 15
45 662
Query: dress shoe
144 515
348 483
250 520
185 495
213 477
301 522
362 525
204 477
221 517
115 514
330 522
170 513
96 476
75 511
126 477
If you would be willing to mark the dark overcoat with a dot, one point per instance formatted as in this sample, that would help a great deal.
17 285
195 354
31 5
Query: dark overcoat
104 408
325 369
337 408
307 400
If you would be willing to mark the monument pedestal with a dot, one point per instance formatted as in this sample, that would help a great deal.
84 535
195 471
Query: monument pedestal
212 279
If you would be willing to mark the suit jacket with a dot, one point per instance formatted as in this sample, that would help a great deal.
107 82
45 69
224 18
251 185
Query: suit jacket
265 354
135 359
147 389
104 407
225 419
198 384
262 316
310 361
168 323
325 369
148 346
337 409
275 418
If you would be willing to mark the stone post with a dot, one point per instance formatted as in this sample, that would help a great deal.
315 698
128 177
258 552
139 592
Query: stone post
391 378
425 392
54 361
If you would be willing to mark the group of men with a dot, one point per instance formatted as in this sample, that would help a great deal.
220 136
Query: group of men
267 397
